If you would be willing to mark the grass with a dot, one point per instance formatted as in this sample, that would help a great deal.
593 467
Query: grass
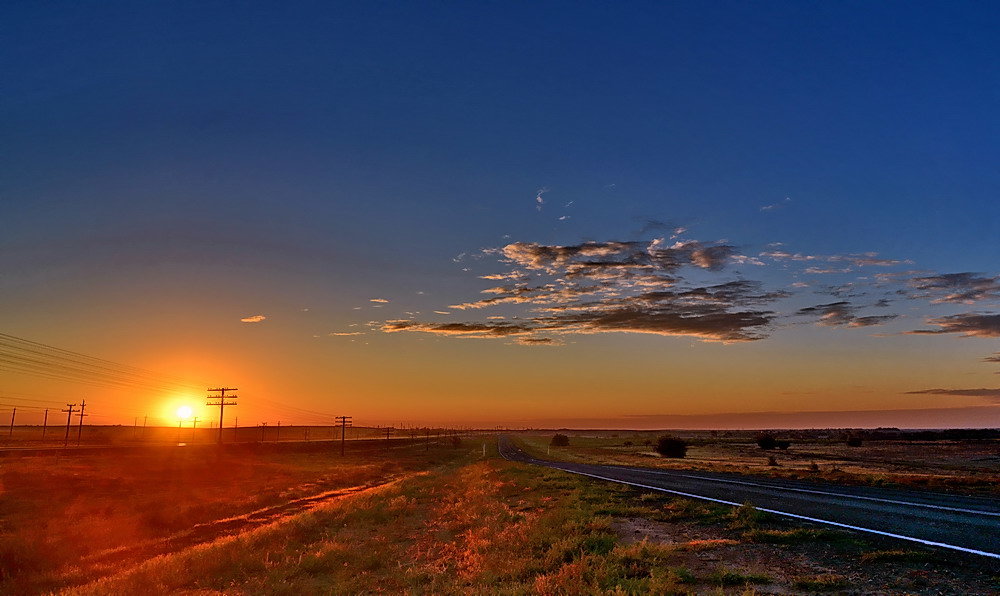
454 522
466 526
728 577
962 466
821 583
99 503
898 555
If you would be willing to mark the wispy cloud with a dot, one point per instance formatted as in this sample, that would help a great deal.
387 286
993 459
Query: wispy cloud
344 333
379 300
992 394
537 341
964 288
253 319
539 201
842 314
967 324
783 203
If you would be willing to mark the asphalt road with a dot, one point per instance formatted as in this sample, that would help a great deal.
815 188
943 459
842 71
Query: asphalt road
969 525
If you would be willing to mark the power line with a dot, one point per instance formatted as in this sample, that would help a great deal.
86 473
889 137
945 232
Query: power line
38 359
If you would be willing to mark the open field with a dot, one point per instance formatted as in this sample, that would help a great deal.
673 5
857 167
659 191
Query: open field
34 436
68 518
968 466
444 520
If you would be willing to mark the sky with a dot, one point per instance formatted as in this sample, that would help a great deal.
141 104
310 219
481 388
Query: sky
684 214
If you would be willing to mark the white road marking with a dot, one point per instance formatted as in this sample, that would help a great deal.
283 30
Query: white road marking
786 514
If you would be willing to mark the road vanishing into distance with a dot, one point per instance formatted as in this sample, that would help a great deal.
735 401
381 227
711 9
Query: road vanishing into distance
969 525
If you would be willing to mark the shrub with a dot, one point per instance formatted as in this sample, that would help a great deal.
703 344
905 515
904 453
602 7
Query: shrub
627 444
771 461
853 441
559 440
669 446
783 444
767 441
456 441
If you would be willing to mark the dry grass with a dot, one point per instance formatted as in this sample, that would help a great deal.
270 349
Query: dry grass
474 526
67 518
964 466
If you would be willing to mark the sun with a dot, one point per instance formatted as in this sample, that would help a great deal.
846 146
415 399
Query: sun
184 412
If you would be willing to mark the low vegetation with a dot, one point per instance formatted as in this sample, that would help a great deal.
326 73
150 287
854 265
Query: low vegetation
440 520
671 446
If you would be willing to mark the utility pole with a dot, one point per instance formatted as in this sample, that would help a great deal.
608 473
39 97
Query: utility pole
345 421
263 425
277 433
388 430
45 422
144 425
79 432
11 433
194 427
221 402
69 420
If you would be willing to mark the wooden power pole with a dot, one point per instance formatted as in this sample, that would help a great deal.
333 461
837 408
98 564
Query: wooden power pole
222 403
345 421
79 432
69 420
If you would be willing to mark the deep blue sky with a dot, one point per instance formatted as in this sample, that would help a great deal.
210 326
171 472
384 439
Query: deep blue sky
325 154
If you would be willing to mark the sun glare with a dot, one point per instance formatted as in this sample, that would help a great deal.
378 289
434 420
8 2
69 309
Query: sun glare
184 412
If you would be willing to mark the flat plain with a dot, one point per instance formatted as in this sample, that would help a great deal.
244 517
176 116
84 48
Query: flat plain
430 519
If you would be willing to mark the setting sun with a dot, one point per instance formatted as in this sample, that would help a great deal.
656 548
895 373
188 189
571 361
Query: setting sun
184 412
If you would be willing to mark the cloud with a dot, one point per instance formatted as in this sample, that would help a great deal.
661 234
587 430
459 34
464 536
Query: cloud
964 288
537 341
539 201
777 205
253 319
968 324
681 287
458 329
379 300
344 333
991 394
842 314
992 358
868 259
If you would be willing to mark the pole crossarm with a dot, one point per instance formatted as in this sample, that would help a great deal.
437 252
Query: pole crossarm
220 400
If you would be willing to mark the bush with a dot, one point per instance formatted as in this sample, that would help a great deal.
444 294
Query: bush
669 446
456 441
853 441
627 444
559 440
767 441
783 444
